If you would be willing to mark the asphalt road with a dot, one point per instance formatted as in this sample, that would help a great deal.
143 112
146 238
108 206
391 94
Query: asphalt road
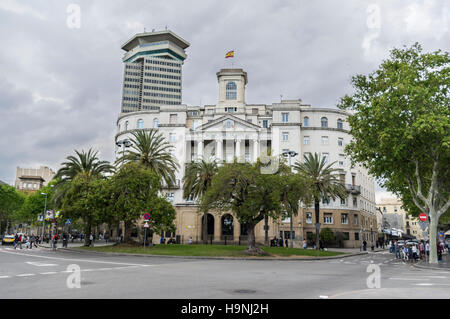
42 273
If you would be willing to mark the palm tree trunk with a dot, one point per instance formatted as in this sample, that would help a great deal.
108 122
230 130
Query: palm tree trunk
317 211
205 228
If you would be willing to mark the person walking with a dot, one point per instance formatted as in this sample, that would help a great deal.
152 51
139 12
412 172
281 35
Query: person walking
190 240
286 243
32 241
305 244
280 242
364 245
91 240
439 251
427 251
397 250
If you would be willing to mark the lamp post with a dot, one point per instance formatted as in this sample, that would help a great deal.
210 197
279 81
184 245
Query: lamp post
123 143
43 220
290 154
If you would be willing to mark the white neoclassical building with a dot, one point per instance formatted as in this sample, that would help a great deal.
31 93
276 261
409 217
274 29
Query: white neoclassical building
231 128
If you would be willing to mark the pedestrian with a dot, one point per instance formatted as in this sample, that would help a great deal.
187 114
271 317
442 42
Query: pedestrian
305 244
397 250
286 243
190 240
32 241
414 252
91 240
427 250
280 242
320 244
364 245
439 251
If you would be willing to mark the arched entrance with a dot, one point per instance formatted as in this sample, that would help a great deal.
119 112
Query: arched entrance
210 223
227 223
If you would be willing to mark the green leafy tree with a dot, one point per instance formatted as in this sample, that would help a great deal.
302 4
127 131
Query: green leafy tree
34 205
197 179
87 199
400 127
324 183
134 191
151 150
11 202
326 235
249 194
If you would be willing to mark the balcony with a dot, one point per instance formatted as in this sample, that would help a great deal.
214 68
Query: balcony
354 189
175 185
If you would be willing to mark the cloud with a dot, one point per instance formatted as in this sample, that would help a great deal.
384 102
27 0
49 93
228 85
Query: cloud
61 87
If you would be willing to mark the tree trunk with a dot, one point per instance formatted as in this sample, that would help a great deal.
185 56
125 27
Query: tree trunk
317 211
433 236
87 232
205 228
252 248
127 234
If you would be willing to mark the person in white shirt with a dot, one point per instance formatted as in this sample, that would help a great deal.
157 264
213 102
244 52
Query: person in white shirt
414 251
427 250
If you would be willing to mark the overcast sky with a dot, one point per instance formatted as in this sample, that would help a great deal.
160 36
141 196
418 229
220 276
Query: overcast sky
60 85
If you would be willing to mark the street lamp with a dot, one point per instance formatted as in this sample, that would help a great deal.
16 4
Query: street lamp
43 219
123 143
290 154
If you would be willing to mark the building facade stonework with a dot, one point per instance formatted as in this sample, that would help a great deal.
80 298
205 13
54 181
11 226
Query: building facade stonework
231 129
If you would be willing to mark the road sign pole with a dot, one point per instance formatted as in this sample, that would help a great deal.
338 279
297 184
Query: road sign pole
145 236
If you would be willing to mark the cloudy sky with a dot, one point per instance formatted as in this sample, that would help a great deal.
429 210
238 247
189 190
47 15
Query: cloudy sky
60 85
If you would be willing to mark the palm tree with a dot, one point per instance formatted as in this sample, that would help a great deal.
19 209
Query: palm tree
83 164
324 183
151 150
196 181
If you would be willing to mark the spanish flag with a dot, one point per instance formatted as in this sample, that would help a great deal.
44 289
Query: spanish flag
229 54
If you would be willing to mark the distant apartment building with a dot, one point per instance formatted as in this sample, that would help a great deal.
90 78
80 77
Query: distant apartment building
33 179
398 218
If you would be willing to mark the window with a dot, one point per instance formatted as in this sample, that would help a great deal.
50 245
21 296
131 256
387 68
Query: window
355 202
326 157
326 200
395 208
265 123
346 236
344 219
328 218
126 126
309 218
324 140
231 91
169 197
229 124
340 141
306 140
155 123
172 137
356 236
339 124
341 163
355 219
324 122
140 123
284 117
254 111
285 136
230 109
343 201
249 120
195 124
306 121
384 210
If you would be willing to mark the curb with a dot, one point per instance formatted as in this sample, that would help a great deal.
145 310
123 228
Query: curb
215 258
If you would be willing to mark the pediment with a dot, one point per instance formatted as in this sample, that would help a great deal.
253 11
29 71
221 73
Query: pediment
228 123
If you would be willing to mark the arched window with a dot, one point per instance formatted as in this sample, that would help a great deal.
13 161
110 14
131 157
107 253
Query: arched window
140 123
339 124
244 229
231 91
324 122
155 123
306 121
126 125
210 223
227 225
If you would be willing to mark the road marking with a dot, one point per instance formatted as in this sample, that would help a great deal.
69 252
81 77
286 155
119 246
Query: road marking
1 277
25 275
82 260
323 297
35 263
407 279
49 273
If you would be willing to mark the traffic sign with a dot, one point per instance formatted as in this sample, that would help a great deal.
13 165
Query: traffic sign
423 217
146 225
423 225
68 221
147 216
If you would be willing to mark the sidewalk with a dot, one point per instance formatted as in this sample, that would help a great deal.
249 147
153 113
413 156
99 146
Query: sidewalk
357 250
75 244
443 264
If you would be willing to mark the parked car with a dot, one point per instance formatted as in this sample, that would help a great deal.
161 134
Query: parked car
8 240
